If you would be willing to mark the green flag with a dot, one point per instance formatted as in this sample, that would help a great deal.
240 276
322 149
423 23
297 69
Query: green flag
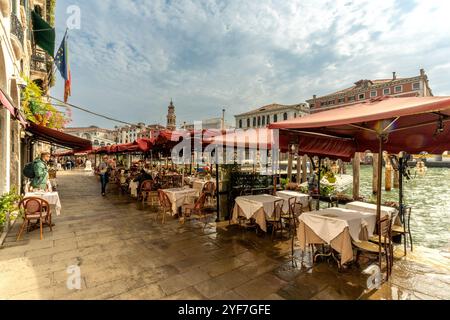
44 34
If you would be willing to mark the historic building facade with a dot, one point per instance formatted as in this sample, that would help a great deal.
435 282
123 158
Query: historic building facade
362 90
17 53
263 116
98 136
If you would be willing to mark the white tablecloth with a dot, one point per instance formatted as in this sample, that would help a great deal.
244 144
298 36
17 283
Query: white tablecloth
330 223
301 197
258 207
51 197
133 186
178 197
372 208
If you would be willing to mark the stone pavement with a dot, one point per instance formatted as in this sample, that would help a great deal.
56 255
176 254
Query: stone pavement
123 253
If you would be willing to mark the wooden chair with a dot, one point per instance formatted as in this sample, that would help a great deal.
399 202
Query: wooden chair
276 221
165 205
210 190
35 209
380 244
404 230
196 210
145 189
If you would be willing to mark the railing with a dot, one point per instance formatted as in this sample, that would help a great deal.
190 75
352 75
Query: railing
16 28
39 61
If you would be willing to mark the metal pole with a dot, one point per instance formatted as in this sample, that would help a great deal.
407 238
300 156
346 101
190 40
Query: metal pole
217 192
380 171
318 186
401 170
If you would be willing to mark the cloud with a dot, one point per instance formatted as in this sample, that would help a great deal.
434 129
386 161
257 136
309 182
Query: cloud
131 57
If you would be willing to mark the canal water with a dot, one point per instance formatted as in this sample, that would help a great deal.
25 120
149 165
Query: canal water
429 197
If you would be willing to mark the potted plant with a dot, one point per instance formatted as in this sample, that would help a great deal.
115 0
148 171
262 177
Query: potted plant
8 204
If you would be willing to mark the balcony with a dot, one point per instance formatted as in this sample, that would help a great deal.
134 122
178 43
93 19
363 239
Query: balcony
39 61
16 28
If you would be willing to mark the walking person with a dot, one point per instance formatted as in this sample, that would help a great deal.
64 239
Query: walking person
104 169
40 168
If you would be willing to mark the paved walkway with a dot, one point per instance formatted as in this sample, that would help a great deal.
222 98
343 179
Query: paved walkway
123 253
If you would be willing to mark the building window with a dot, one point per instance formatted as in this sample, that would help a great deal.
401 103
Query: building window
268 119
322 104
386 91
275 118
416 86
263 120
352 98
312 105
254 121
248 122
398 89
295 115
285 116
240 123
373 94
259 121
362 96
331 102
341 100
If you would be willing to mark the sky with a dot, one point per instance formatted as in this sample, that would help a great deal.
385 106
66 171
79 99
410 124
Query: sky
129 58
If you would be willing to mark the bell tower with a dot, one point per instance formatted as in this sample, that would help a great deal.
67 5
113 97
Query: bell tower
171 117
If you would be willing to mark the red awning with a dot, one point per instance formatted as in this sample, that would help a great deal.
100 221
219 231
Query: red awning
412 124
10 107
59 138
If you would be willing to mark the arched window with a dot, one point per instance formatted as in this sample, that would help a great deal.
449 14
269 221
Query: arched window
295 115
268 120
263 120
285 116
275 118
240 123
259 121
254 121
248 123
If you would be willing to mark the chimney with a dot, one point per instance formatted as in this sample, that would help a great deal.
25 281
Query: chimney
394 76
314 97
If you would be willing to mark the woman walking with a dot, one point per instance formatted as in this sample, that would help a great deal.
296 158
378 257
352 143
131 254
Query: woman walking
104 169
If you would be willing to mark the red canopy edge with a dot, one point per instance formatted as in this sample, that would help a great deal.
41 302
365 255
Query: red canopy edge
412 124
59 138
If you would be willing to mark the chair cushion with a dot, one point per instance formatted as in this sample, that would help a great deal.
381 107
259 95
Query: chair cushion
36 215
376 239
398 229
367 246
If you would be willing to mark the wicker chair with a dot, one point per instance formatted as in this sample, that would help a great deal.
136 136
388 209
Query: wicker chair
35 209
196 210
145 190
210 190
165 205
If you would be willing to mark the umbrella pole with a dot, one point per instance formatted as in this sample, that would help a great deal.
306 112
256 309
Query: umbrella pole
380 170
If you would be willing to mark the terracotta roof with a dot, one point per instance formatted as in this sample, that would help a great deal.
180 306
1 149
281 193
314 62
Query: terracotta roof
272 107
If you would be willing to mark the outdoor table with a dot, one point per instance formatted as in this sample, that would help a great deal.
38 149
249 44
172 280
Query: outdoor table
336 227
198 184
133 186
51 197
372 208
258 207
178 197
301 197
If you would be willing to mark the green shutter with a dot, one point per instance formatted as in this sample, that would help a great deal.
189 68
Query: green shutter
44 34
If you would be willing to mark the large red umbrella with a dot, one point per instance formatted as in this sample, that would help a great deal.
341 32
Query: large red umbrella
412 124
